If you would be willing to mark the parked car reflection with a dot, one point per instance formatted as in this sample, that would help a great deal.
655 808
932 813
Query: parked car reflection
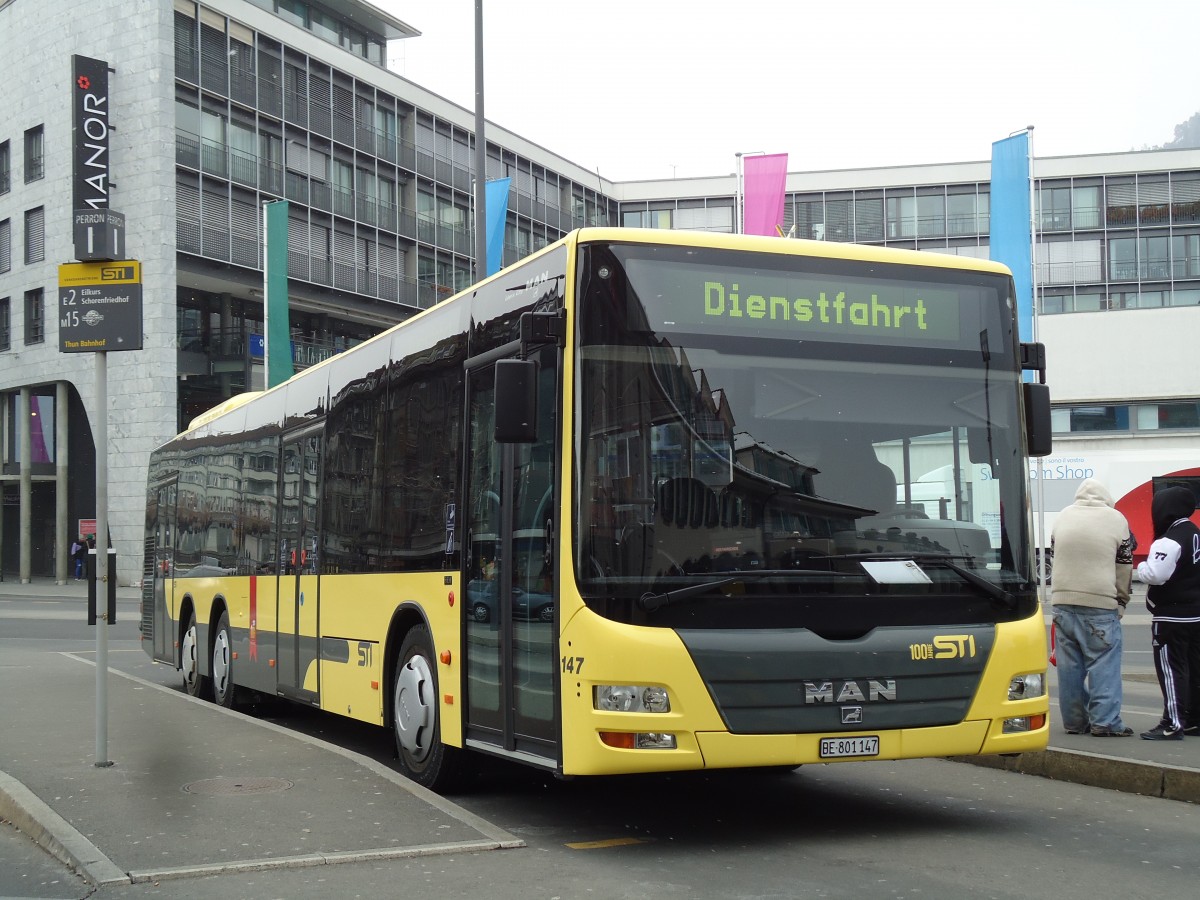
482 602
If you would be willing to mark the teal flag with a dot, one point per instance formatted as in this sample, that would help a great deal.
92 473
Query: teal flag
277 343
496 209
1011 237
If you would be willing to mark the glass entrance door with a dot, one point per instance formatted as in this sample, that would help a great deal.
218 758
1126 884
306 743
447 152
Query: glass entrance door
298 588
509 559
160 557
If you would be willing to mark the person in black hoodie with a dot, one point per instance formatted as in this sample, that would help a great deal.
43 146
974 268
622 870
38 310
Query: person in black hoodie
1172 571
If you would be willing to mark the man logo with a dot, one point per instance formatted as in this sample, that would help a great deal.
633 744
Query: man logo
852 715
870 691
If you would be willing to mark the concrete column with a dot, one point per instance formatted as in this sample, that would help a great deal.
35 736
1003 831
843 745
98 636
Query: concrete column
26 490
63 534
221 348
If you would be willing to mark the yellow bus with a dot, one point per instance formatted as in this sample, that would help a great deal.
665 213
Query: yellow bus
642 502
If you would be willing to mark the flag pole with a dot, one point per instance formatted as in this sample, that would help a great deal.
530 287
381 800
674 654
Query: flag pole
1043 542
480 152
737 200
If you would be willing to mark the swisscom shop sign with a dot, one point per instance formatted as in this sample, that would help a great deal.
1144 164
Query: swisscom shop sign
100 306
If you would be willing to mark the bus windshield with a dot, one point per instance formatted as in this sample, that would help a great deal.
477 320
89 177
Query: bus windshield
795 426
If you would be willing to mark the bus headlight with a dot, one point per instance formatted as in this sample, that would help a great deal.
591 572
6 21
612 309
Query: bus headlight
1025 687
632 698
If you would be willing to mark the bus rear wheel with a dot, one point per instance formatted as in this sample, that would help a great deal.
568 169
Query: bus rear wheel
222 665
189 660
423 757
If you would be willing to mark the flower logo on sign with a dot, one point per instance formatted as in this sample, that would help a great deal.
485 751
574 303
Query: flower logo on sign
84 82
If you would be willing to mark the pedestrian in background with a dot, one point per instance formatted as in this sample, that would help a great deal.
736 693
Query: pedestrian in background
1172 571
1093 571
79 551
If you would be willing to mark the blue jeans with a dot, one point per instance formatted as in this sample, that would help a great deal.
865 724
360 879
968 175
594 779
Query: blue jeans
1088 648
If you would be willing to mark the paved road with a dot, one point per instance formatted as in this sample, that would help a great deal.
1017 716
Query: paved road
933 828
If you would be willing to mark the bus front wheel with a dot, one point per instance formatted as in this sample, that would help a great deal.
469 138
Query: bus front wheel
423 757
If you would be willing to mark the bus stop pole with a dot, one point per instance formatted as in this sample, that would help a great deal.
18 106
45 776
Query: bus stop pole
102 573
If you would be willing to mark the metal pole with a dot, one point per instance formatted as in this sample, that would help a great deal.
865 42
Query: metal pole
481 260
102 574
737 198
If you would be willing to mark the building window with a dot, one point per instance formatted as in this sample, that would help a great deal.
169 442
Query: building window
35 321
5 245
5 168
1169 415
5 324
1085 207
1172 414
35 235
35 160
1054 209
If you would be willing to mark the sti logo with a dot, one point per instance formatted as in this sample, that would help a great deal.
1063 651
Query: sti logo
116 273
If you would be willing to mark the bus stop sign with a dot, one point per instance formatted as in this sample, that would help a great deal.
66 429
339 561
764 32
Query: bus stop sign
100 306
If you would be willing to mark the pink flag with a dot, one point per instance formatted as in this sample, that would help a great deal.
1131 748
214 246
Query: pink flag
764 182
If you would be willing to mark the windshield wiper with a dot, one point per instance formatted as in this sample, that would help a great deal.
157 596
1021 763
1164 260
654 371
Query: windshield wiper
989 589
651 601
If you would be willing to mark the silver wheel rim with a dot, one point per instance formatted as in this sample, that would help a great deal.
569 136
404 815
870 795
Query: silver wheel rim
413 706
188 659
220 664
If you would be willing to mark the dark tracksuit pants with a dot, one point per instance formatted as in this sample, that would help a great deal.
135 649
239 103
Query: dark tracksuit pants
1177 663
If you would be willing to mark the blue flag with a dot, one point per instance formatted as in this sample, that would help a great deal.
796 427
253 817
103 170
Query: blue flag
1011 235
496 208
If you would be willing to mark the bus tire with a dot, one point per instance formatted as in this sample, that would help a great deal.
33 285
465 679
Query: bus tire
189 660
422 755
223 689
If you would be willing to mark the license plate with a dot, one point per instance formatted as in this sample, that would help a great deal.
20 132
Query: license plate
841 748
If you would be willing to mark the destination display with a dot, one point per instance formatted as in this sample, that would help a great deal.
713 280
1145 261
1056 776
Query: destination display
769 303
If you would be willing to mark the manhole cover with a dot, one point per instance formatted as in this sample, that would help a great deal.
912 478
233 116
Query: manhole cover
228 787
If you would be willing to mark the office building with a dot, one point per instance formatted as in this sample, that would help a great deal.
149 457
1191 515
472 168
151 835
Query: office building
214 108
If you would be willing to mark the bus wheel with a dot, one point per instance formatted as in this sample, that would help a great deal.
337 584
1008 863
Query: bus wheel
222 665
423 756
189 659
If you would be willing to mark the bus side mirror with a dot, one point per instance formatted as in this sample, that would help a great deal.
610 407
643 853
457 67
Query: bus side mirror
1037 418
516 401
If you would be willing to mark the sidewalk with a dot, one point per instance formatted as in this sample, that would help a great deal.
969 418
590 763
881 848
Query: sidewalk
1168 769
199 790
195 789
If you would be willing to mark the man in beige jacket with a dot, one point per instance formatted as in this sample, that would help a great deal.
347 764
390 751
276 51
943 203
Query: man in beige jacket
1093 570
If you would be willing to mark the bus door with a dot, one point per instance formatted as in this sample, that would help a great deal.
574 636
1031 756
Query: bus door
157 602
508 557
298 595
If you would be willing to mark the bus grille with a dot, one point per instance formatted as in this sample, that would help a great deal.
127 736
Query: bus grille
794 681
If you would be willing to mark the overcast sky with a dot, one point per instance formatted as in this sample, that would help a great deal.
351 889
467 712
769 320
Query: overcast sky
648 89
